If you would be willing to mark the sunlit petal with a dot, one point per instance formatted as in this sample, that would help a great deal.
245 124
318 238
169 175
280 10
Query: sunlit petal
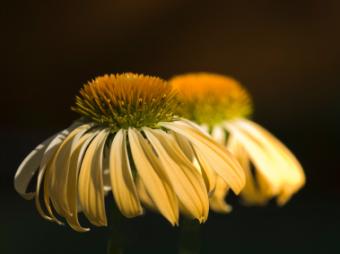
214 154
123 187
91 191
184 178
155 182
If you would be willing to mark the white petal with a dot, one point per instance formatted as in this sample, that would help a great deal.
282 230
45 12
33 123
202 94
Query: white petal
219 134
214 154
30 164
156 183
184 178
123 186
258 188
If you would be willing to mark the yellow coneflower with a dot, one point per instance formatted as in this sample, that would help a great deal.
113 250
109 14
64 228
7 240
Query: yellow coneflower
129 141
222 106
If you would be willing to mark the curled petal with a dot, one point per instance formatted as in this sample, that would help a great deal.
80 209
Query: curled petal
31 163
49 152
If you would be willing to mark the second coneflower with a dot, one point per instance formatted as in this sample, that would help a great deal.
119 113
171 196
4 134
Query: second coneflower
222 107
128 141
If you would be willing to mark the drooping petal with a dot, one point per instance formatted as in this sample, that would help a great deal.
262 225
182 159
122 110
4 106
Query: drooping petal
261 158
217 200
214 154
45 161
72 187
91 187
257 190
122 183
281 160
144 195
31 163
203 168
206 169
184 178
296 174
155 182
61 167
184 144
208 174
50 179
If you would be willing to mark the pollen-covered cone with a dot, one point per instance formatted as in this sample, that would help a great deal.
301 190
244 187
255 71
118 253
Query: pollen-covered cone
221 105
129 142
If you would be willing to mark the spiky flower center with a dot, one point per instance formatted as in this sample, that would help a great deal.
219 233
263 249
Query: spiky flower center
210 98
127 100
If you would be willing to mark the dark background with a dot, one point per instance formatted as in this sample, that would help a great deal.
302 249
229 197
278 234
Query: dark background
287 53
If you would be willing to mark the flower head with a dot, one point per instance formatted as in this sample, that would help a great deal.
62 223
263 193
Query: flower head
128 100
130 142
221 105
211 98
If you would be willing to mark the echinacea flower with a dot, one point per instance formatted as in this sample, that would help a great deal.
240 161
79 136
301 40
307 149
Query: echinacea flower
222 106
128 141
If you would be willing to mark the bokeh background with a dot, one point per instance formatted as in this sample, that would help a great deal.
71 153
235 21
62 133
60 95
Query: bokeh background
287 53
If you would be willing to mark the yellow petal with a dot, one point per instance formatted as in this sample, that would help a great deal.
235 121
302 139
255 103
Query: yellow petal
45 161
47 174
264 164
217 200
155 182
200 164
144 195
91 187
185 145
61 161
50 179
281 160
72 187
206 170
258 189
123 186
214 154
280 151
184 178
209 176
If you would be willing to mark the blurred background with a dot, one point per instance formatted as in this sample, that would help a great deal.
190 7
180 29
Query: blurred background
286 53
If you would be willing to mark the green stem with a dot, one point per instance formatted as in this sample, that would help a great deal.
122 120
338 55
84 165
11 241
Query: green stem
117 240
189 240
